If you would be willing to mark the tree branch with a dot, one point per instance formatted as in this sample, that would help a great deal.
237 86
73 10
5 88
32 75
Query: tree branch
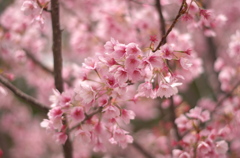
172 118
37 62
27 98
57 59
161 18
57 45
43 67
181 11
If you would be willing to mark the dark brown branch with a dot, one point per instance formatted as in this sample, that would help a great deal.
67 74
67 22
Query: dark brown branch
46 10
27 98
181 11
161 18
142 150
57 45
57 59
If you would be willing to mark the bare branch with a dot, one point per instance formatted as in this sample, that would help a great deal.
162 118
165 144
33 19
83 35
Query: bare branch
180 12
43 67
57 45
27 98
173 118
161 18
57 59
37 62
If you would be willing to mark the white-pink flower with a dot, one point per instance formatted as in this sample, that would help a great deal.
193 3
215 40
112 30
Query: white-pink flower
221 147
121 74
185 63
109 46
121 137
85 93
131 63
111 112
61 137
77 114
145 90
28 7
119 50
90 63
198 113
180 154
132 48
156 61
203 148
55 113
166 90
183 123
127 115
83 135
136 75
167 52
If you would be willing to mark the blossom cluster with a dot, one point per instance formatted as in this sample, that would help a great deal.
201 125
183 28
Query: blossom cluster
123 82
96 108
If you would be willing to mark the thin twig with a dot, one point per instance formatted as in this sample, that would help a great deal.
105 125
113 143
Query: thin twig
42 66
37 62
142 150
57 59
27 98
227 95
173 118
46 10
180 12
161 18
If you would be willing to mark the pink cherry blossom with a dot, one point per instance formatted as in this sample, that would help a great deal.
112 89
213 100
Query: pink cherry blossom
132 63
111 112
77 114
221 147
61 137
185 63
83 135
85 93
198 113
203 148
127 115
132 48
167 52
28 7
180 154
119 50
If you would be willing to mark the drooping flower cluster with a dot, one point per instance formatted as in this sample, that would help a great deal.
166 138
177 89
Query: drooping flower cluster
96 111
229 71
96 108
199 141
